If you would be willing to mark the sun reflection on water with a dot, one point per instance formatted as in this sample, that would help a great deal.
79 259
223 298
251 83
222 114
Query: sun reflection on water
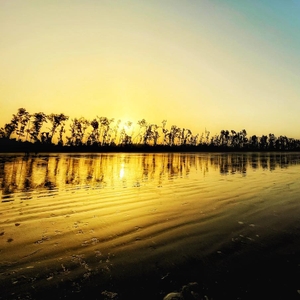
122 171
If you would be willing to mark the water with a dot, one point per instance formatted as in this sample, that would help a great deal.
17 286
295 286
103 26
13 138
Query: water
138 226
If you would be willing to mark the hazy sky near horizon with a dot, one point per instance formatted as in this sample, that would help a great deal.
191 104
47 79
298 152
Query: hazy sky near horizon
214 64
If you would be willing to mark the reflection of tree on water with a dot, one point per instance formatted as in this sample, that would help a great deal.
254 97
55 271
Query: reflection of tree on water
72 171
27 182
254 161
240 162
235 163
52 172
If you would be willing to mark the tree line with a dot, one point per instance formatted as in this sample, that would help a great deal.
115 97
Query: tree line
59 130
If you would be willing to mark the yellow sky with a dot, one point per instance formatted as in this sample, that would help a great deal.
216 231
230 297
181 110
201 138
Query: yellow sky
198 64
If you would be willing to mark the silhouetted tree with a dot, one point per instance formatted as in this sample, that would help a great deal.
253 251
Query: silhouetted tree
23 118
60 137
186 134
93 138
201 138
78 128
263 142
17 124
224 138
172 135
207 133
234 140
56 120
9 128
142 132
193 139
155 134
271 141
2 133
115 130
105 130
254 142
125 138
103 134
243 140
148 135
37 123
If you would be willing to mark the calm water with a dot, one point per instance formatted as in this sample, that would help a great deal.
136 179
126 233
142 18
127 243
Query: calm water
138 226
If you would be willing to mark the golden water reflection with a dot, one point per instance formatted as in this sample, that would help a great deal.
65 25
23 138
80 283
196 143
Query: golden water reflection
62 171
118 220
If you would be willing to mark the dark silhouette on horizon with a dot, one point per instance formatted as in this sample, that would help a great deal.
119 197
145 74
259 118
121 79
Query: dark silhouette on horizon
39 132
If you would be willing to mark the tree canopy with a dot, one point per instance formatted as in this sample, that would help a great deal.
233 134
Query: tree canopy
40 129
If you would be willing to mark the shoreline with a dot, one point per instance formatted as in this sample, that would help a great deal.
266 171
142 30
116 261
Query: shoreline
13 146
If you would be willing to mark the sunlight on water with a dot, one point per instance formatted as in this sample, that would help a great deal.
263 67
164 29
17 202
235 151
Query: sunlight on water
81 221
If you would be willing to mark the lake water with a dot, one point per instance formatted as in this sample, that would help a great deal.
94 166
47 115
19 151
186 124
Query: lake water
139 226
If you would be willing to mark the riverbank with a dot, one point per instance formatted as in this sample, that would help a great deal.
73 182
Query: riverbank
13 146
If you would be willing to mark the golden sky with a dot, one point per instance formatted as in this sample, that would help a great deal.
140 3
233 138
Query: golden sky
214 64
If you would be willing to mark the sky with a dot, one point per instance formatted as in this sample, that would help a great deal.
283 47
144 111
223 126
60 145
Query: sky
199 64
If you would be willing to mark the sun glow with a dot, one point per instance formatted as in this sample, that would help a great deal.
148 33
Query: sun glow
122 171
193 63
